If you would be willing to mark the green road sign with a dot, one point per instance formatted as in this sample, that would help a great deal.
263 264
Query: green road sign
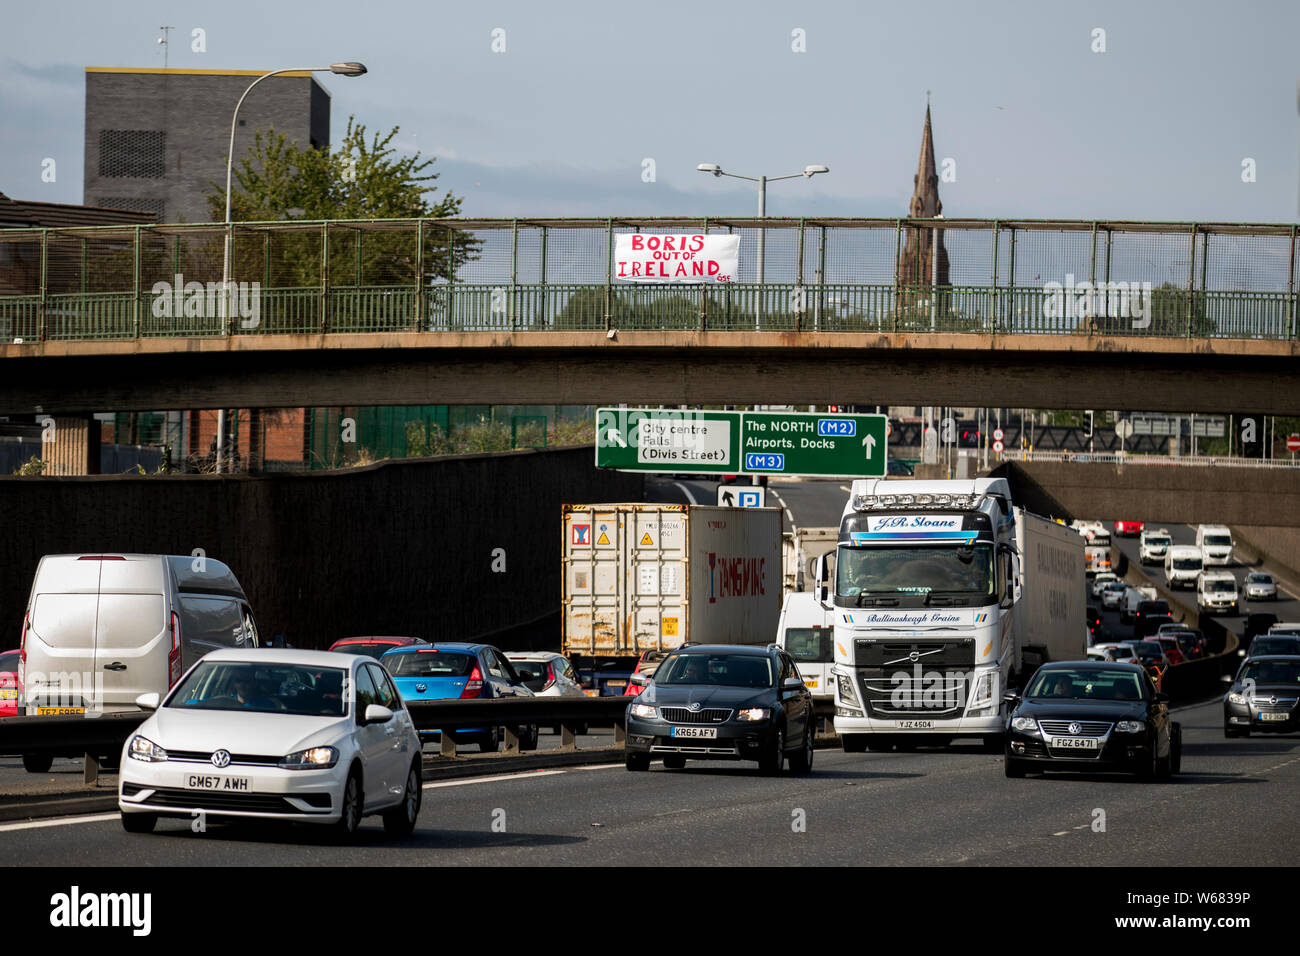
741 443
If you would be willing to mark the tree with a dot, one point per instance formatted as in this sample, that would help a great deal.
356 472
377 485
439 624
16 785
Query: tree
365 178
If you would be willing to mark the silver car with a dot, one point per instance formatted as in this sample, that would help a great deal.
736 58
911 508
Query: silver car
1260 586
548 674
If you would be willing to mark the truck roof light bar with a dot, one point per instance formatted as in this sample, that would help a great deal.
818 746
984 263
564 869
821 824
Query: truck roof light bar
923 500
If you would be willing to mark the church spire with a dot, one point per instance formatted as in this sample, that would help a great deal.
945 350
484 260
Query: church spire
918 265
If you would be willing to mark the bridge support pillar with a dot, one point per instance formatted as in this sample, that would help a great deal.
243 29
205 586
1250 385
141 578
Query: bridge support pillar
70 445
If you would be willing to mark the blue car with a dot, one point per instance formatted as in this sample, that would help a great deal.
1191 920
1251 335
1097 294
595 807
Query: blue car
463 671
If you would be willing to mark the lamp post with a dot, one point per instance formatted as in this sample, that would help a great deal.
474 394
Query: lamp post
808 173
350 68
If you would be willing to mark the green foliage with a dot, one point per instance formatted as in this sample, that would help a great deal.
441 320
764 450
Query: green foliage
33 466
365 178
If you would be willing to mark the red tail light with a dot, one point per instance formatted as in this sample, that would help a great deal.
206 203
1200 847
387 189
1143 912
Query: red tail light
474 686
550 677
174 656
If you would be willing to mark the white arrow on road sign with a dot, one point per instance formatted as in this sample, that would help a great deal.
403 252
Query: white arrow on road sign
614 438
870 442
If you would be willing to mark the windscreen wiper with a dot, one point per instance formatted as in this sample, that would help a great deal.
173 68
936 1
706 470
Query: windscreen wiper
867 600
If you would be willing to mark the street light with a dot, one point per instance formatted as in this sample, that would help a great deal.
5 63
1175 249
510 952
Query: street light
349 68
808 173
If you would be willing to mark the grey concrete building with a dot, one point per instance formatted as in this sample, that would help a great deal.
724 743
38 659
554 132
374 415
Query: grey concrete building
156 139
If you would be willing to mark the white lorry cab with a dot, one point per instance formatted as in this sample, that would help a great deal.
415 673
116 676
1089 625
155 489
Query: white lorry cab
945 596
1183 562
1217 591
806 632
1215 542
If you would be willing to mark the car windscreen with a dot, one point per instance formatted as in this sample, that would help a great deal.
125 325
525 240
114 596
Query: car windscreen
430 664
1270 672
1158 542
723 670
9 662
1148 649
532 673
1256 577
1218 540
1152 607
810 645
916 570
264 687
1186 564
1274 645
1092 684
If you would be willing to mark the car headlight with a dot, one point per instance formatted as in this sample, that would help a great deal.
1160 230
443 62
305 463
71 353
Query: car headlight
142 748
753 713
1130 727
1024 724
314 758
1235 698
644 710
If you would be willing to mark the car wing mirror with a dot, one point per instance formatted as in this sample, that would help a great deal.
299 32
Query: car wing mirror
378 714
148 701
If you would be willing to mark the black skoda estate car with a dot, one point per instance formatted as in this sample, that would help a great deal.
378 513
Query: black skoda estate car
723 702
1092 716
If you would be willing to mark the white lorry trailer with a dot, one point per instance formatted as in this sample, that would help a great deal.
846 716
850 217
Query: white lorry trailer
946 595
800 550
641 577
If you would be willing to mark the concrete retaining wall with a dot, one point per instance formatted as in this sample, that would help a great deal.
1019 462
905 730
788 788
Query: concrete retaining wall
403 547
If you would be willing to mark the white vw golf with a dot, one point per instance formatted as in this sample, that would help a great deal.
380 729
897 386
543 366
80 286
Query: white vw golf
303 736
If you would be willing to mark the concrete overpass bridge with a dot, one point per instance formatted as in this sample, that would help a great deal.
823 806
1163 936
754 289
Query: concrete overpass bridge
1064 314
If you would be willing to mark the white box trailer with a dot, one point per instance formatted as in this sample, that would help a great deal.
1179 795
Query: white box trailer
641 577
1049 619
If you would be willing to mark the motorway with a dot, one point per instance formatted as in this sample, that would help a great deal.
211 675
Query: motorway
928 807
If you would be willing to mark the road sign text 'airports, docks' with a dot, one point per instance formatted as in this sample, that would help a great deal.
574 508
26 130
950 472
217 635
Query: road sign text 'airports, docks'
741 443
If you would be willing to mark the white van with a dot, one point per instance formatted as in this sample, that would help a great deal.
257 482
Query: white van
1217 591
806 631
102 629
1215 542
1183 563
1152 545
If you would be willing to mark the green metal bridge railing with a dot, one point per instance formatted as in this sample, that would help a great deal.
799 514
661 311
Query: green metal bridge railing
852 275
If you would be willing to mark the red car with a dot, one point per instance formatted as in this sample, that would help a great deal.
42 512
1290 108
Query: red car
1172 650
9 684
645 669
374 647
1129 529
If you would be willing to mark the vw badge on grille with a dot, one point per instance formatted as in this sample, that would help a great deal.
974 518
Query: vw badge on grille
693 707
221 758
1074 727
421 688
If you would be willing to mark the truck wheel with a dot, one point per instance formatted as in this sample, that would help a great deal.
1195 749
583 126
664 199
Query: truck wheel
637 762
854 743
37 763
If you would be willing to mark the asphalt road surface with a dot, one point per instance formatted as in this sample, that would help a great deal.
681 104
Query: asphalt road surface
949 806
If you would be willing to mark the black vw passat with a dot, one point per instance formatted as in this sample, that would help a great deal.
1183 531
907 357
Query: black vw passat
1092 716
1265 697
723 702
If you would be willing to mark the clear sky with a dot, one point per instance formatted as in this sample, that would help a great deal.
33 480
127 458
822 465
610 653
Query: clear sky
562 122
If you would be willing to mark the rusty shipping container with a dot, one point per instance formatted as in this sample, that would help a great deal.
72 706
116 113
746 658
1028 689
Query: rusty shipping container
651 576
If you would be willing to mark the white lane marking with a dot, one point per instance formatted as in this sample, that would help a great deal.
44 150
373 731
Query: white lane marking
687 492
603 766
789 515
500 776
59 822
846 489
1062 833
